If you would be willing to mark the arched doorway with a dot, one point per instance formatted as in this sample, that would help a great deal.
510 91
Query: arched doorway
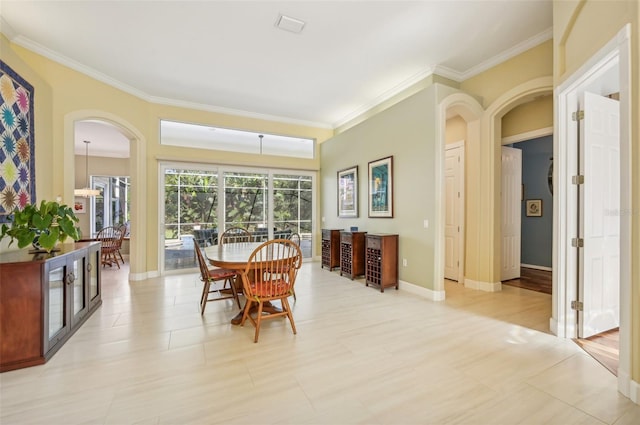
138 179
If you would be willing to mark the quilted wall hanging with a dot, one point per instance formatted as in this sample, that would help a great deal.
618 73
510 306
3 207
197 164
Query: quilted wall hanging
17 155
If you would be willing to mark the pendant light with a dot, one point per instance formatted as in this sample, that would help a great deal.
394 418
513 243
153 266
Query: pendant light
86 191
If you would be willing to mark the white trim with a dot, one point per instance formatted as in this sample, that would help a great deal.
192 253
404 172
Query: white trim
532 266
421 291
617 49
497 59
483 286
533 134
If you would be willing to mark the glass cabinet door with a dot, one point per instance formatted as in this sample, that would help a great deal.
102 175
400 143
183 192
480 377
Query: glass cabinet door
79 280
56 300
56 318
93 275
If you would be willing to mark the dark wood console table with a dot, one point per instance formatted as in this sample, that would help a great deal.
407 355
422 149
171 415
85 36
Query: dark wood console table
44 299
352 254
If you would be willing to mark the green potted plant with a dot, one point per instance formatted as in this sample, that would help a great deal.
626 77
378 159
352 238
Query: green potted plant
42 226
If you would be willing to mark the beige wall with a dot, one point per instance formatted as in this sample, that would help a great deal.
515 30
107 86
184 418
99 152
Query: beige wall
580 29
407 132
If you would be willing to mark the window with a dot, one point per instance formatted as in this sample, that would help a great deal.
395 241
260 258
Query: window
204 137
201 201
111 207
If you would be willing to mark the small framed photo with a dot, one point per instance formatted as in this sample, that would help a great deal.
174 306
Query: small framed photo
80 206
381 187
534 207
348 192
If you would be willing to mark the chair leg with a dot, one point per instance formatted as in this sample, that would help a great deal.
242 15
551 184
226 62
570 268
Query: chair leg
205 296
285 305
258 321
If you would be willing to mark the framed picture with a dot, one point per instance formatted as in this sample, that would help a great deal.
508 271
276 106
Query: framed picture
80 206
381 187
534 208
348 192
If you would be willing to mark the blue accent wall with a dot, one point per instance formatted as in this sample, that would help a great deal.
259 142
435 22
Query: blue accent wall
537 232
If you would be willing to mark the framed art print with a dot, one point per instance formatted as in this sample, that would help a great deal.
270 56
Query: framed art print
17 154
381 187
534 208
348 192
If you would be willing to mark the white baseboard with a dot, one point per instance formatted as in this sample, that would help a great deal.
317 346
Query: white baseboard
634 393
143 276
483 286
532 266
553 327
421 291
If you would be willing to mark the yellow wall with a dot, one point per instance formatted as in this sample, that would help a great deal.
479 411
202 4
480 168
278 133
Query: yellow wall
80 95
456 129
491 84
528 117
580 29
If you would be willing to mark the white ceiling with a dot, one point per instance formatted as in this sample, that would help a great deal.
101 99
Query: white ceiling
229 56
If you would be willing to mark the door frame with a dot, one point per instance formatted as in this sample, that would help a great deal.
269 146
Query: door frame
616 53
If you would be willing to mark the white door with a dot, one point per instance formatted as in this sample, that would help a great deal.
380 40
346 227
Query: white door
454 211
511 212
599 282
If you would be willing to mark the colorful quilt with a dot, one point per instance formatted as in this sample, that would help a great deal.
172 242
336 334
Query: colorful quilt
17 155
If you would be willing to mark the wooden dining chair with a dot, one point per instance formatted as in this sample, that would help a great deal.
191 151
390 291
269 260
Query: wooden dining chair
270 275
235 235
211 278
295 238
109 238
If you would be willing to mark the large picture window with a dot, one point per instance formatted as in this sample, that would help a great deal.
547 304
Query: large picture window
202 201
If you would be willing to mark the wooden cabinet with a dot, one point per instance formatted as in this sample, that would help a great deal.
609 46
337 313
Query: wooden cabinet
352 254
330 248
382 260
44 299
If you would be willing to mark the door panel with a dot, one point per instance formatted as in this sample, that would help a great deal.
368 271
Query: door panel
600 216
453 176
511 212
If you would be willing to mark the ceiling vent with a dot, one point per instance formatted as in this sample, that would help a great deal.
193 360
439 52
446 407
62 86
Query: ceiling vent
290 24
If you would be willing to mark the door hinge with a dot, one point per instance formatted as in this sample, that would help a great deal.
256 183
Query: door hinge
579 179
577 305
577 116
577 242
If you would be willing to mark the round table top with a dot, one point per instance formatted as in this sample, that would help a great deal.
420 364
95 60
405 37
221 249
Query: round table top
232 255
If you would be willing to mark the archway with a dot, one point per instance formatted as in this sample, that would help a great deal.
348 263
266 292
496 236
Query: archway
470 110
138 269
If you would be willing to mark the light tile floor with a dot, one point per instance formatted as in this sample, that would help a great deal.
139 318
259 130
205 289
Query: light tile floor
147 356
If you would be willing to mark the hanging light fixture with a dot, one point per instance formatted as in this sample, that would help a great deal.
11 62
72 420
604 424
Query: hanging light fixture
86 191
260 136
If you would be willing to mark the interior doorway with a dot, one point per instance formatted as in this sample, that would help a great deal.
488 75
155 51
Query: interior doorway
605 73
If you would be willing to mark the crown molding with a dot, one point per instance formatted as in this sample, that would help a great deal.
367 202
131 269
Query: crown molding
7 29
508 54
380 99
70 63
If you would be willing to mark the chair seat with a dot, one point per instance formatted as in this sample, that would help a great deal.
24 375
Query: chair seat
270 289
219 273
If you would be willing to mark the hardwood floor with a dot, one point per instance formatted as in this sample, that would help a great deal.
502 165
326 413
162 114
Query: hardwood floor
147 356
604 348
533 279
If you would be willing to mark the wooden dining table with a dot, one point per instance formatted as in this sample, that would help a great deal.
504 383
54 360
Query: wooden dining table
235 256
